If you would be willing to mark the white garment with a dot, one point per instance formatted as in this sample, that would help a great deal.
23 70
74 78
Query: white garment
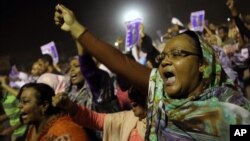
57 82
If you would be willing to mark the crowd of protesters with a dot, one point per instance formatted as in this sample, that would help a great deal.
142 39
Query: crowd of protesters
187 86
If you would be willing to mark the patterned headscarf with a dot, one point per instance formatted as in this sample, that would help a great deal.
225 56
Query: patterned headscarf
213 74
203 117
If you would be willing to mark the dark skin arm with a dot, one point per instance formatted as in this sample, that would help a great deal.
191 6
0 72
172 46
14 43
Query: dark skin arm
137 74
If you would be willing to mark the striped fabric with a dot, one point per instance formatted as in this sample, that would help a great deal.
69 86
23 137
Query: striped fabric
9 103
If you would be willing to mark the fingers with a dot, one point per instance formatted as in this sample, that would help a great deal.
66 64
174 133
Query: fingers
64 17
60 100
58 19
56 100
59 14
141 28
62 8
230 4
203 22
3 80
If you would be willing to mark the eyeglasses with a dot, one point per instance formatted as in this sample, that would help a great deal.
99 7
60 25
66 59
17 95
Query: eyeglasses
175 55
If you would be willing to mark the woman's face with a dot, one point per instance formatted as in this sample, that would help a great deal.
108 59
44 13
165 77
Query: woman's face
180 66
43 65
31 112
76 76
36 69
138 110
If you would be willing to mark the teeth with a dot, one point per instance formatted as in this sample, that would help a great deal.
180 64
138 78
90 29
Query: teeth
170 80
73 78
24 116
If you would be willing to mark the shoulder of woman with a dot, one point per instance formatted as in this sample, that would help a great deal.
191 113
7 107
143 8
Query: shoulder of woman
64 125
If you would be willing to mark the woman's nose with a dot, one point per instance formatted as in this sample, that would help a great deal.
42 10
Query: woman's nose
166 61
19 105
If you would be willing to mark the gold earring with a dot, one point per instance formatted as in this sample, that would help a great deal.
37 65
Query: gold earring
201 69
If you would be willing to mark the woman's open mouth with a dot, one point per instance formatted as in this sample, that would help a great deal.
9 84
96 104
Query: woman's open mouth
24 116
169 78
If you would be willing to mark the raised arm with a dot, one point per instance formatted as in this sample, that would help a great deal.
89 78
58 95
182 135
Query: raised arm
98 80
6 87
81 115
105 53
206 28
242 28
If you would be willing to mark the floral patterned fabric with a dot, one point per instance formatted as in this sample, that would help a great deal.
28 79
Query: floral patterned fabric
207 116
60 126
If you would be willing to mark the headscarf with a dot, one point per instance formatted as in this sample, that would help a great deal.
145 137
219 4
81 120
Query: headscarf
206 116
57 82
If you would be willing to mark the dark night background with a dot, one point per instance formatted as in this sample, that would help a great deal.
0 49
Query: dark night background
28 24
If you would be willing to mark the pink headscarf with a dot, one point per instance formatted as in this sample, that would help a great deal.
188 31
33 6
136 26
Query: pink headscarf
57 82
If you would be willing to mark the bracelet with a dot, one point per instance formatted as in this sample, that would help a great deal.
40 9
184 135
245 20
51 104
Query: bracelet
86 30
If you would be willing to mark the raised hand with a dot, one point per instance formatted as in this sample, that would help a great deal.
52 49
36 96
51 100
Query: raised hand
232 7
62 101
65 18
3 80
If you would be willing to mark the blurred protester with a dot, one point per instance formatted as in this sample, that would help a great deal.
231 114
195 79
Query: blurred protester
46 63
57 82
223 34
144 52
9 103
211 36
91 87
244 32
35 72
176 28
215 41
241 26
121 126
